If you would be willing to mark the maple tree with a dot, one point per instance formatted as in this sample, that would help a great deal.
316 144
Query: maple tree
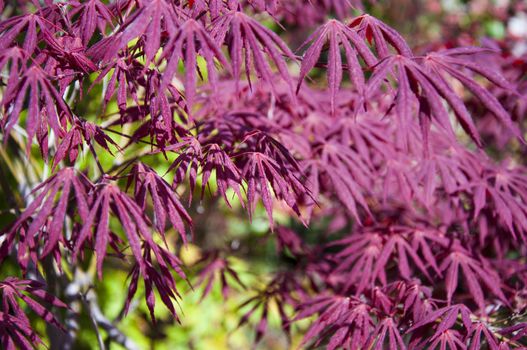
395 194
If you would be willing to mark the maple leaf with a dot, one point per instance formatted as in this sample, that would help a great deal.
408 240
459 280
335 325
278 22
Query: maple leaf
386 331
381 34
70 51
415 298
450 338
163 104
424 239
45 108
156 129
156 271
216 266
191 155
41 225
149 21
507 190
13 289
449 61
16 59
365 255
277 293
227 174
448 316
450 170
15 334
93 14
122 82
81 132
165 202
347 175
404 250
266 161
249 42
381 301
359 256
398 177
288 239
31 25
16 330
346 321
106 199
337 34
190 38
210 158
366 136
479 330
474 272
410 75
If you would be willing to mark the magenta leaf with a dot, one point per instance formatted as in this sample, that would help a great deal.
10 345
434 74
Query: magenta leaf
249 43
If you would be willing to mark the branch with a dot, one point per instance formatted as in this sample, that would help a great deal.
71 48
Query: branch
114 334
